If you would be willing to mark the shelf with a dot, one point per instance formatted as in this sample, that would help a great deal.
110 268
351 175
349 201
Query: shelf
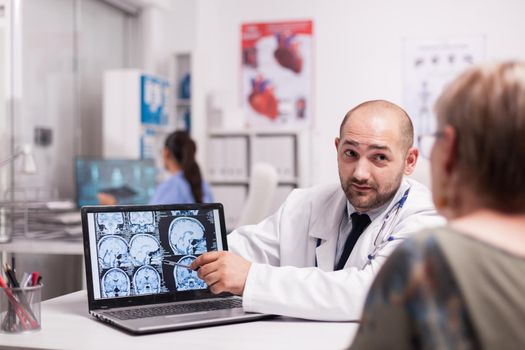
229 182
283 182
255 133
183 103
232 154
181 74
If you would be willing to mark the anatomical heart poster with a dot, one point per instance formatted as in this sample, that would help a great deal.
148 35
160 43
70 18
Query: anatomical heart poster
276 73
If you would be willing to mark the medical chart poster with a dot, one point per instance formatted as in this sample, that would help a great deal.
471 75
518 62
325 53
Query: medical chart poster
429 65
276 74
153 100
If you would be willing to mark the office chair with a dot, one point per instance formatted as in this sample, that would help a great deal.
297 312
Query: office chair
262 186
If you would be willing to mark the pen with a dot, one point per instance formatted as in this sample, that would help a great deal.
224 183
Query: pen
34 278
25 315
21 295
25 280
11 276
173 263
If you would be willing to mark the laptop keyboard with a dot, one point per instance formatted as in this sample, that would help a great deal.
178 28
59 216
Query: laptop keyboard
176 309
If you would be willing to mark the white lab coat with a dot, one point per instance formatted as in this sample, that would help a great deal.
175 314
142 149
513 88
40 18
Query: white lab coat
283 278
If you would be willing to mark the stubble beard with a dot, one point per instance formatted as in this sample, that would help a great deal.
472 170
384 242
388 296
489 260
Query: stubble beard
371 200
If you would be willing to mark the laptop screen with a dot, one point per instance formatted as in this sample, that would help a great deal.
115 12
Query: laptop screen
144 251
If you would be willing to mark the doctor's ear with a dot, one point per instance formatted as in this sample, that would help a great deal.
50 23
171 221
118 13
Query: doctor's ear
411 160
337 139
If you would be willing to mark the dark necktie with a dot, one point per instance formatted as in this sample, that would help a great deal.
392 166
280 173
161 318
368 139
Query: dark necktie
359 224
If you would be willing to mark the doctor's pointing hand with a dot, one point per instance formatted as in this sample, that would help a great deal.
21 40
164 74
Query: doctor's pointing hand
222 271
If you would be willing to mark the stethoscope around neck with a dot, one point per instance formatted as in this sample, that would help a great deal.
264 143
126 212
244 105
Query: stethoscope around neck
384 236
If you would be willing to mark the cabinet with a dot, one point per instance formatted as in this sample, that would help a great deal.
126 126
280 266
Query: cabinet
182 91
230 157
135 114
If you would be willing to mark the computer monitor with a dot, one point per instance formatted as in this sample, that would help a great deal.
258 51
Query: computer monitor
131 181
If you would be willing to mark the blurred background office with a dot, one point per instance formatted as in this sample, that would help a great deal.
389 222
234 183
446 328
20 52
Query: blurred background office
94 86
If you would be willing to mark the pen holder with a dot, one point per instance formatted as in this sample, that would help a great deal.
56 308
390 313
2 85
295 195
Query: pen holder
20 309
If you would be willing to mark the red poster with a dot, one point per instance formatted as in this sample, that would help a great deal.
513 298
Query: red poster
277 73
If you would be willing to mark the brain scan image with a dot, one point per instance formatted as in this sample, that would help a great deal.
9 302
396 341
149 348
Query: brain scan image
142 221
144 249
146 280
112 252
186 279
115 283
110 222
186 236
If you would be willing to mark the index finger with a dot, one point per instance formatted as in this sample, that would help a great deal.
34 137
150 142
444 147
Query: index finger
204 259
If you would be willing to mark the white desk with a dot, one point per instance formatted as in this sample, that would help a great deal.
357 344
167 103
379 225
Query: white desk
66 324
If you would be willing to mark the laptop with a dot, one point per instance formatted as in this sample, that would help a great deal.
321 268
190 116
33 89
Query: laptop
137 259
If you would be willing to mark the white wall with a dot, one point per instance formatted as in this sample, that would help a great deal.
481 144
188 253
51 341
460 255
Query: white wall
44 90
4 124
357 56
165 28
102 46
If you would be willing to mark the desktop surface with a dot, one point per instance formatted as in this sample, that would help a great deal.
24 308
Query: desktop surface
66 324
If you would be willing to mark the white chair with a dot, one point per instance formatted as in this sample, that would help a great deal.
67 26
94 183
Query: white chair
262 186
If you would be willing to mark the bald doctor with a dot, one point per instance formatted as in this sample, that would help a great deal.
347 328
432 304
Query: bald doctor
316 257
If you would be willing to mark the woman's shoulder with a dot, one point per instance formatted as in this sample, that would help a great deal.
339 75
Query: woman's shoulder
422 251
436 238
422 243
414 284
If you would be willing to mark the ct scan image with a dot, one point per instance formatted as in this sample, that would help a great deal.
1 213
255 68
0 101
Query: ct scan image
186 236
115 283
186 279
149 252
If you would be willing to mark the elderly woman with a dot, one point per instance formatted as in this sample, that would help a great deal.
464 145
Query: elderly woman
462 286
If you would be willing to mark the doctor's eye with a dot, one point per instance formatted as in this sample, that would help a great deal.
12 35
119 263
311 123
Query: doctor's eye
380 157
350 153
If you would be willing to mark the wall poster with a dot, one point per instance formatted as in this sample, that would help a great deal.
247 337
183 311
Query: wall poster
429 65
276 73
154 106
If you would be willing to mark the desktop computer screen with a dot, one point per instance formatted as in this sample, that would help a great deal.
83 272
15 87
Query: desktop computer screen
129 181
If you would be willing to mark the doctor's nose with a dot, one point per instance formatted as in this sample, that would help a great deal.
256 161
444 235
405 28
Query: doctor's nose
362 170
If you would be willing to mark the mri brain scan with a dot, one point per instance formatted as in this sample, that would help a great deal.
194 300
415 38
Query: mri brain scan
142 221
186 236
109 222
186 279
115 283
146 280
144 249
112 252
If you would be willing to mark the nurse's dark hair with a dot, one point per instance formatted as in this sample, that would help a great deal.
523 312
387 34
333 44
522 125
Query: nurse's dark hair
486 107
183 149
407 129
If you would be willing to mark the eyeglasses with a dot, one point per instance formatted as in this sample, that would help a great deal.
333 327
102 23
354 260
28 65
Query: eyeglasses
426 142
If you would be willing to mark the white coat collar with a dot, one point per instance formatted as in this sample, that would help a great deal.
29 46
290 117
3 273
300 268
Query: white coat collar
328 218
328 213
